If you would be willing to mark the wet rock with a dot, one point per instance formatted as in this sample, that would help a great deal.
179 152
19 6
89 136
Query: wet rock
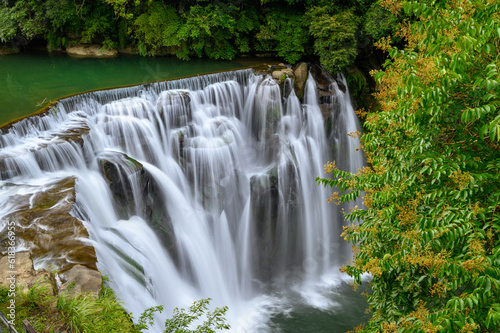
123 173
300 78
282 73
90 51
58 145
326 110
44 224
20 266
264 194
117 168
81 280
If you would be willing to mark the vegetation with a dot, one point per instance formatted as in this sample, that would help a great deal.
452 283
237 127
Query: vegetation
78 313
103 314
430 232
182 320
291 29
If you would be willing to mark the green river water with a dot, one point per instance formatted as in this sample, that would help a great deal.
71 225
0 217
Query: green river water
29 81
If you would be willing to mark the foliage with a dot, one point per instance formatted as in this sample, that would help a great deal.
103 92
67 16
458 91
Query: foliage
80 313
379 22
430 231
157 27
284 32
335 37
357 84
213 29
208 31
182 320
9 18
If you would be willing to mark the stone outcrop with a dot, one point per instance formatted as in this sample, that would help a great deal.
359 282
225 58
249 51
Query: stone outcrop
90 51
44 224
81 280
78 279
120 171
20 266
300 73
280 73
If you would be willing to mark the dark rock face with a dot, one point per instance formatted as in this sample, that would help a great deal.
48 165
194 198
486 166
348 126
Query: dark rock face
135 192
275 218
264 194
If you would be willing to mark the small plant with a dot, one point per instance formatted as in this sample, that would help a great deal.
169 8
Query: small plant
77 311
182 319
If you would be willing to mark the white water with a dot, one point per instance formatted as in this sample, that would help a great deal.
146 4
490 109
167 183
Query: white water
234 164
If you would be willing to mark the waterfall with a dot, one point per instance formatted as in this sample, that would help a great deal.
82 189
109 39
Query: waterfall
195 188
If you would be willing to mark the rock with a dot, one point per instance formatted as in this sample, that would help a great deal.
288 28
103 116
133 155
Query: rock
300 78
21 267
80 279
44 224
117 169
6 50
90 51
325 110
283 73
130 50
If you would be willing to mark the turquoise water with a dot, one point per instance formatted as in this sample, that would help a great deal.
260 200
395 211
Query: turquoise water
29 81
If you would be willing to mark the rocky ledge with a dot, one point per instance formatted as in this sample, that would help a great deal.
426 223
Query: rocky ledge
79 279
43 223
90 51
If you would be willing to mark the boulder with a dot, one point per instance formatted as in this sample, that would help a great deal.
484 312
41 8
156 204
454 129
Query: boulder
300 78
81 280
20 266
90 51
282 74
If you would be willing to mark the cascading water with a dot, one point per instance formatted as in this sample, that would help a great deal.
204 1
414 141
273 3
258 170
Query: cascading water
196 188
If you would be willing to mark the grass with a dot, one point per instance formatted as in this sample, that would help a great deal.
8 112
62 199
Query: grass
67 312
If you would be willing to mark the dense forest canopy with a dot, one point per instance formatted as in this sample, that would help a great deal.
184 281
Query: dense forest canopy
430 231
333 30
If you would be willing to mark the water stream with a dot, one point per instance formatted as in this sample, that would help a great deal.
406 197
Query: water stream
202 187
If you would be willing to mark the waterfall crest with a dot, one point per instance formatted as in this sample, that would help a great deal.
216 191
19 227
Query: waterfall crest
195 188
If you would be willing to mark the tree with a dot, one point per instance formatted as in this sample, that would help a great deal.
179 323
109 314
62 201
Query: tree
430 233
284 31
334 37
